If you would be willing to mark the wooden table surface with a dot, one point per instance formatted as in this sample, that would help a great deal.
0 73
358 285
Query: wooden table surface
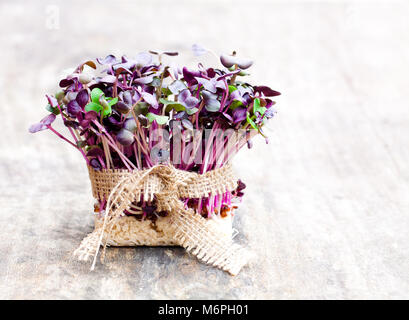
326 209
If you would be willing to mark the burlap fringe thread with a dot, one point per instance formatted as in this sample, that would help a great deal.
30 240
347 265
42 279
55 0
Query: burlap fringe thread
168 185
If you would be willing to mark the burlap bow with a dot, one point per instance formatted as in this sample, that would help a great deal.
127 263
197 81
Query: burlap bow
168 185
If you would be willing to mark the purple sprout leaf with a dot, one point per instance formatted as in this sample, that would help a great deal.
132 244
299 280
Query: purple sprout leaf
136 96
269 103
143 120
95 164
43 124
177 86
209 85
108 60
227 116
84 123
91 115
125 65
66 82
110 79
170 53
244 63
71 124
184 94
127 100
37 127
212 105
144 80
130 125
211 102
82 98
187 124
239 114
125 137
189 76
52 101
175 70
267 91
229 61
229 74
88 117
123 68
270 112
187 100
143 59
237 95
112 123
127 97
95 151
150 99
73 108
122 107
70 95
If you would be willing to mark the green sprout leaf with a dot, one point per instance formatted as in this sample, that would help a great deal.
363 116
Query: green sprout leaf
191 111
232 88
169 105
159 119
166 91
53 110
96 93
81 143
92 106
251 122
155 82
112 101
107 111
166 102
257 107
141 108
243 73
106 108
175 106
235 104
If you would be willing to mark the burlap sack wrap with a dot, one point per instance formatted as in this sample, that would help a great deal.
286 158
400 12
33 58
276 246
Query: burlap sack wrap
168 186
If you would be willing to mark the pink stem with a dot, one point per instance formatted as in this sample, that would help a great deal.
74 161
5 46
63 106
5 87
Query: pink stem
111 142
69 129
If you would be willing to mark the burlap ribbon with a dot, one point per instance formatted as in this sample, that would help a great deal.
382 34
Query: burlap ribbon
168 185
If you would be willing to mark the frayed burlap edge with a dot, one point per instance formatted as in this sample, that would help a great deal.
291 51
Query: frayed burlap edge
168 185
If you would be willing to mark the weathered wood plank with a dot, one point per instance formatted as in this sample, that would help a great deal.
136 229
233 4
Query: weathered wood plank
326 208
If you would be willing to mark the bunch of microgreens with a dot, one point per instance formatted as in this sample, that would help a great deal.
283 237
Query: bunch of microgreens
140 112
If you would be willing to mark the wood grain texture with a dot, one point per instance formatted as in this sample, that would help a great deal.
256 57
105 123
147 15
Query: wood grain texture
326 209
